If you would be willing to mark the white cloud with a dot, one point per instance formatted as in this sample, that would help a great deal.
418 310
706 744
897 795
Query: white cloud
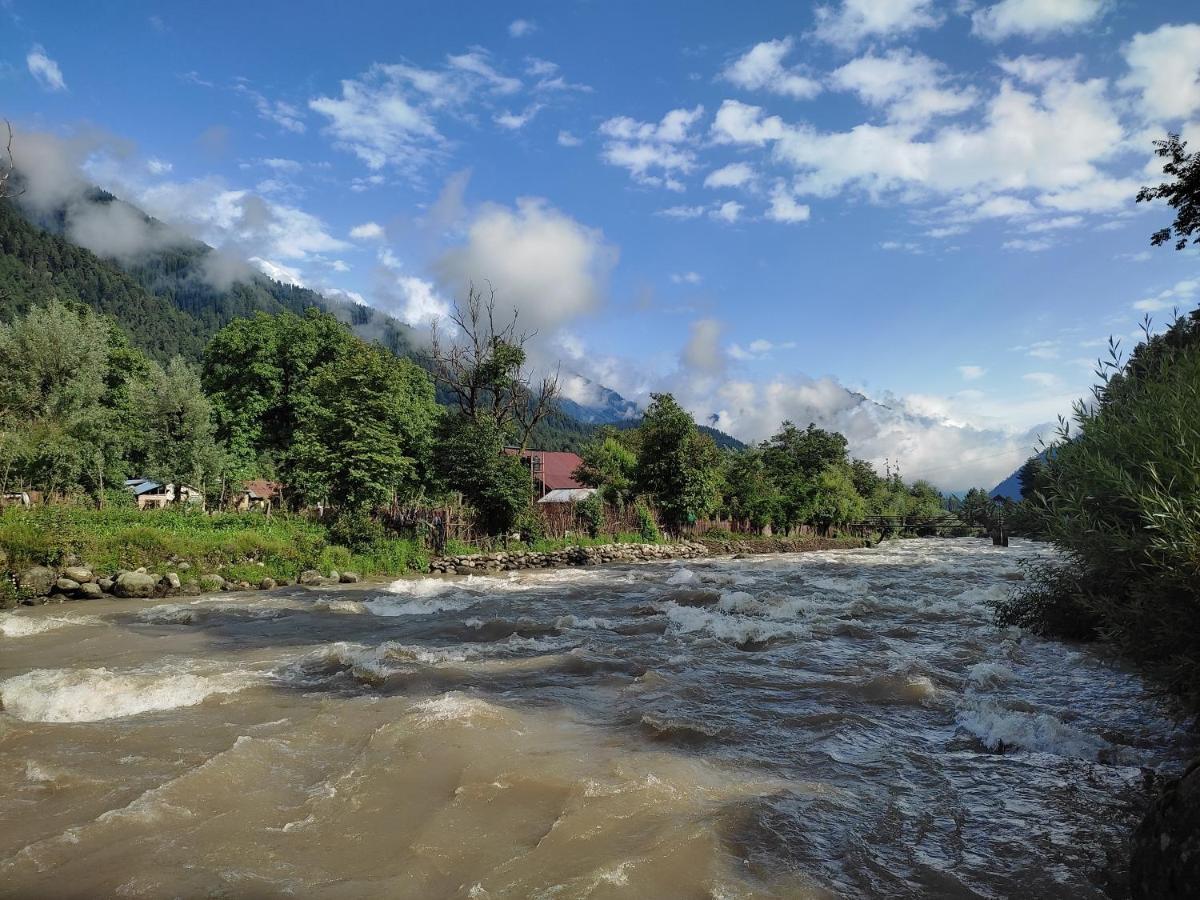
856 20
686 278
516 121
972 373
1095 195
732 175
1047 380
367 231
1041 349
44 70
1034 18
286 274
388 115
682 212
566 139
543 262
654 153
729 211
1164 68
908 86
1183 293
521 27
282 113
702 352
761 69
1054 224
740 123
1040 70
158 166
760 348
1028 245
784 206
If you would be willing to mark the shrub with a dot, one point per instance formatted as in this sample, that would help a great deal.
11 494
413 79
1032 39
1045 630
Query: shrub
647 527
591 514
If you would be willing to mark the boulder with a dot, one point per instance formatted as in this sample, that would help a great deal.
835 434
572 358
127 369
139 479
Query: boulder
141 570
82 574
106 584
267 584
310 577
349 578
191 589
334 576
67 585
36 581
185 566
1165 862
89 590
173 581
211 582
136 584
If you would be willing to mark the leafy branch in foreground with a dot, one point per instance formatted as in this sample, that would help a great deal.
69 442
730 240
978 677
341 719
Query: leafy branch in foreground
1182 194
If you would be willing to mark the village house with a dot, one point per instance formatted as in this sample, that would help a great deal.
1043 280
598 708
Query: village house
259 494
551 470
151 494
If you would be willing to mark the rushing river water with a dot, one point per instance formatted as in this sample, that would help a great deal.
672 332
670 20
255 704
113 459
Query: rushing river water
845 723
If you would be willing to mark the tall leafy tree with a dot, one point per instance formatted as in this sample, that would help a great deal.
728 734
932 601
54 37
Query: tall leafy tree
609 462
469 458
751 497
678 466
364 435
181 447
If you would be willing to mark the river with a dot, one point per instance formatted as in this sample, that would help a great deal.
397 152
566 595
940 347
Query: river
843 723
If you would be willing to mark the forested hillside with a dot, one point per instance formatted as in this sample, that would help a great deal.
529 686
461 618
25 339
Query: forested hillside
170 305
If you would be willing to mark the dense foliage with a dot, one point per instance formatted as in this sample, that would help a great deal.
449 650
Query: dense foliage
1120 494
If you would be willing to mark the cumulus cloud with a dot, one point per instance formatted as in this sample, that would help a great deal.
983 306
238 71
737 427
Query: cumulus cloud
654 153
543 262
567 139
686 278
729 211
761 68
856 20
516 121
733 175
521 27
44 70
1034 18
702 352
367 231
1164 69
784 206
907 86
1182 293
741 123
286 274
972 373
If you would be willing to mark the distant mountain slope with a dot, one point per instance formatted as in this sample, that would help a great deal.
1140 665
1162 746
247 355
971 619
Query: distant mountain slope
1010 487
171 298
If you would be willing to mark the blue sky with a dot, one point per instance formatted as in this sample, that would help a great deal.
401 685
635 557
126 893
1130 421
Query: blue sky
764 208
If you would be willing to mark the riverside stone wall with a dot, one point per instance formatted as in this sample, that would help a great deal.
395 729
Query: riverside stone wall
507 561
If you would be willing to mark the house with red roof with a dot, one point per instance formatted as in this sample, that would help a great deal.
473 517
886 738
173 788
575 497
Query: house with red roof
551 470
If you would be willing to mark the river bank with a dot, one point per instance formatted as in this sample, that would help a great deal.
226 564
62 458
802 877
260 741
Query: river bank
838 722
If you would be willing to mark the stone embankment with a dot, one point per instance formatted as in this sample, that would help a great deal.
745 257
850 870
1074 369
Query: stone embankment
42 584
509 561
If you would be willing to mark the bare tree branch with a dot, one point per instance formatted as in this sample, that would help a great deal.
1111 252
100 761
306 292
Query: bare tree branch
484 367
6 167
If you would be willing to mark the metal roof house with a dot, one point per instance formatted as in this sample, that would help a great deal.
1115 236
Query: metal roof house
551 470
151 494
567 495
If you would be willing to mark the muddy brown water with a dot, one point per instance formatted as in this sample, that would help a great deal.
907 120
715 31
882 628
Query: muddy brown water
844 723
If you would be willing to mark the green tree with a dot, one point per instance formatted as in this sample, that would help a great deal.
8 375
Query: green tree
469 458
751 496
609 462
256 373
678 466
834 499
180 448
976 508
365 431
924 500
